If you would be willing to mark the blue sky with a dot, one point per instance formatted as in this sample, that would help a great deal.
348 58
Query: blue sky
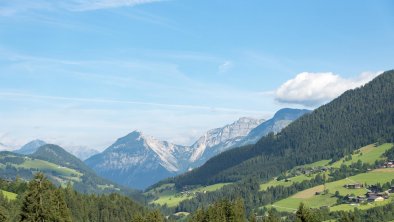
85 72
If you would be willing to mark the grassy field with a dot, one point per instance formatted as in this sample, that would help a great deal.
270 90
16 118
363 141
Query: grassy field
308 196
9 195
309 193
44 165
348 207
273 183
368 154
291 204
372 177
316 164
167 195
291 180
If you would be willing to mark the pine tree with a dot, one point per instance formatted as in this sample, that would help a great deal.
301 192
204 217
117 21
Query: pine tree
272 216
304 214
60 207
3 214
155 216
42 203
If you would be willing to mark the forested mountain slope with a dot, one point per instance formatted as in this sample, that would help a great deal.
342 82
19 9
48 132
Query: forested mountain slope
358 117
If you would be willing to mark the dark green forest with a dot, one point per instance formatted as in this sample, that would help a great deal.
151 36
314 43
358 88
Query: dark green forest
40 200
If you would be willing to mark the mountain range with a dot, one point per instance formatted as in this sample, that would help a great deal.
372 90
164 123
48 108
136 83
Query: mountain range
138 160
31 147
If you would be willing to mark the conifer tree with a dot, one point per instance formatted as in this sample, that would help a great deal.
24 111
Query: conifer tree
42 203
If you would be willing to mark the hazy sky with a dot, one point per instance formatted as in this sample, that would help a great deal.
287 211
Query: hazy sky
85 72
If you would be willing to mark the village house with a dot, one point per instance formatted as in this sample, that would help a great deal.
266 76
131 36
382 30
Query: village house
389 164
353 186
357 199
375 198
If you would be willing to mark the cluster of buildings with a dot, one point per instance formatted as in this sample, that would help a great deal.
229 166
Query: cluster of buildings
372 195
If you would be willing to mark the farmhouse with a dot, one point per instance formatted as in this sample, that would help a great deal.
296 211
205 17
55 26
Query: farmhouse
358 199
389 164
353 186
375 198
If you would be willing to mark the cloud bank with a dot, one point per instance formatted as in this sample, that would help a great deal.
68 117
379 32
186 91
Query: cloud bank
314 89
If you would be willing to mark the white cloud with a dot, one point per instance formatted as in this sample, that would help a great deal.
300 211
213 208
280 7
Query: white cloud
88 5
313 89
225 67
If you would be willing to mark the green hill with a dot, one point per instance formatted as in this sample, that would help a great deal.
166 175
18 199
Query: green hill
61 168
166 194
368 154
330 135
56 154
358 117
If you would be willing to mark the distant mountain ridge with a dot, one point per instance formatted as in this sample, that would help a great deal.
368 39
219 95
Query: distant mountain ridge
30 147
138 160
5 147
281 119
218 140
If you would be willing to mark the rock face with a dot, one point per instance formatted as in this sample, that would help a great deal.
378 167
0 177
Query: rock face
138 160
30 147
218 140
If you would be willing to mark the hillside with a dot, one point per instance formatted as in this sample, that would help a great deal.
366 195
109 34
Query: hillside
56 154
334 193
167 194
358 117
366 166
60 167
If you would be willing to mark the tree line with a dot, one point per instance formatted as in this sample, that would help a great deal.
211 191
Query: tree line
39 200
